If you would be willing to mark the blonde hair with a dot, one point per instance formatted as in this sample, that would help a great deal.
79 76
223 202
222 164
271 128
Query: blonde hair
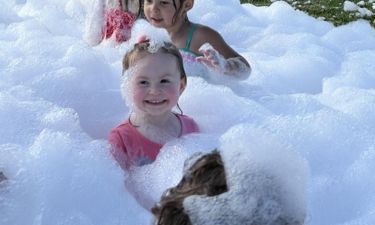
143 47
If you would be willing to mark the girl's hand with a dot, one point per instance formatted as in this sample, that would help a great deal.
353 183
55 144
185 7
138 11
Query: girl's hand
212 58
215 61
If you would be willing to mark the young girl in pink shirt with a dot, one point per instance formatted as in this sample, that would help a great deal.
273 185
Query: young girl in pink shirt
153 80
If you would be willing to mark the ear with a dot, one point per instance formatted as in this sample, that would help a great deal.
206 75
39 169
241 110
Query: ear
182 85
187 5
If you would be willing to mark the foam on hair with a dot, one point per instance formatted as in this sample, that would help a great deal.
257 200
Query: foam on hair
206 176
141 28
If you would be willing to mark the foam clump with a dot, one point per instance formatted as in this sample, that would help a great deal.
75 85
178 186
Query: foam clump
150 181
266 182
143 30
60 178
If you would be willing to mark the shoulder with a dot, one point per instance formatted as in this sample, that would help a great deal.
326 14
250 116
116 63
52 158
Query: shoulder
185 118
206 30
124 126
205 34
188 124
118 133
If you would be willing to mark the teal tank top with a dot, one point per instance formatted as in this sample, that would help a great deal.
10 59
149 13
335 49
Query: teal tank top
192 67
188 40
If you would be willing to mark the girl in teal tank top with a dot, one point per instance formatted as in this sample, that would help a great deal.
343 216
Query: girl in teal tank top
198 43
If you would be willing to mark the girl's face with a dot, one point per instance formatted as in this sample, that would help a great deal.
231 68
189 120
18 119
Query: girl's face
155 84
160 13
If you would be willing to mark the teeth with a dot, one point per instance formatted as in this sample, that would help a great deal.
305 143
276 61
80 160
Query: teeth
154 101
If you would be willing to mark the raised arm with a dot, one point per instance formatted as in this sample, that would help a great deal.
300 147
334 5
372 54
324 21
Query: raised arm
218 55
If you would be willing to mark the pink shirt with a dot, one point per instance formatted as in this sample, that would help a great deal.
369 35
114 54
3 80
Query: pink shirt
131 148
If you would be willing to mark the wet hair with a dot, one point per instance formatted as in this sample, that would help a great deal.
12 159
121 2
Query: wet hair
205 177
143 47
178 10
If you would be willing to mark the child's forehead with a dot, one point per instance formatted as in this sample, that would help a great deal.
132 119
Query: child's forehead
146 58
155 64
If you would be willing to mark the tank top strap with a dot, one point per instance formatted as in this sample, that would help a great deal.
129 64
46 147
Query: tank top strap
190 36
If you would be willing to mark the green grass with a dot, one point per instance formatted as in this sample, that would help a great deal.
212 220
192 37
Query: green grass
328 10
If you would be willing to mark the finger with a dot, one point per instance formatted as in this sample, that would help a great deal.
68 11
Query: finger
203 51
205 61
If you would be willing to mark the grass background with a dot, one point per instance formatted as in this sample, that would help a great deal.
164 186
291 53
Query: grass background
328 10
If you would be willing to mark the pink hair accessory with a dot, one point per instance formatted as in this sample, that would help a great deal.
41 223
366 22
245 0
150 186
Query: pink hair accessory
143 39
153 45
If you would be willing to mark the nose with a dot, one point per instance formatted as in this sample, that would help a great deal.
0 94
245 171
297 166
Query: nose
154 89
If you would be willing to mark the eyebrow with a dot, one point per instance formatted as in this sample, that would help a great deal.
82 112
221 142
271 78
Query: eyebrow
167 75
142 77
162 76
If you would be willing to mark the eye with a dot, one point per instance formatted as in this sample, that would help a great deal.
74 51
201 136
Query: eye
164 2
143 83
148 2
165 81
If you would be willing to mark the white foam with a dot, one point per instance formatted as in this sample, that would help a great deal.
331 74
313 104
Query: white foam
312 87
258 191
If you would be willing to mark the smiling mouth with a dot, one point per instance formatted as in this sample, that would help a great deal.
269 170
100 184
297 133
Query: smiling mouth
155 102
156 20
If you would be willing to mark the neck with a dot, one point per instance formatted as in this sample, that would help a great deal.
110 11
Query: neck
159 129
179 31
161 121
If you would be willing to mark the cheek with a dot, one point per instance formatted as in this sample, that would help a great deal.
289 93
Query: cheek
137 94
146 12
173 92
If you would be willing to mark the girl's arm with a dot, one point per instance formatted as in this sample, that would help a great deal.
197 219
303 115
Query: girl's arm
94 23
218 55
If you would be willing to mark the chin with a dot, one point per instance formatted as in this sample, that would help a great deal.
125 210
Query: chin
156 25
